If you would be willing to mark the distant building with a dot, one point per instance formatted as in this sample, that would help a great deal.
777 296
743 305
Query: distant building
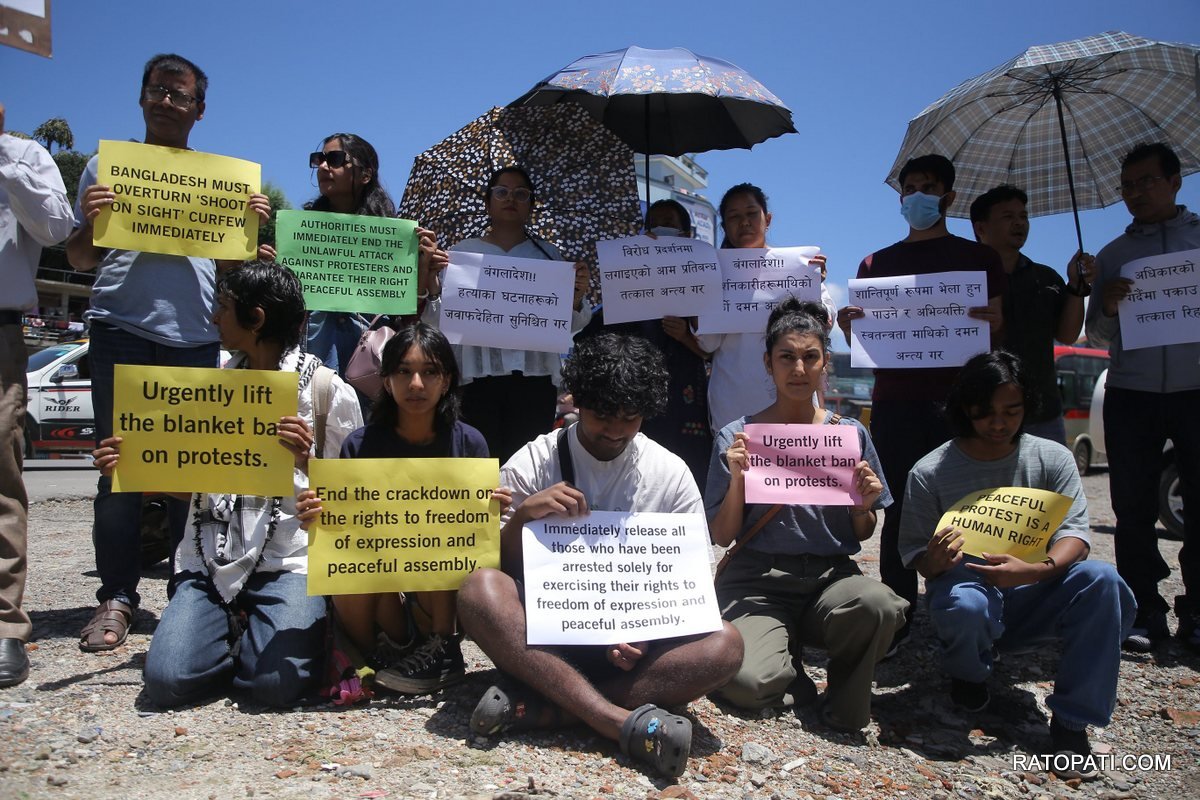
679 178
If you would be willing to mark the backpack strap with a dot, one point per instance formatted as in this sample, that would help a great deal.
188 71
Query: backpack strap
322 399
565 464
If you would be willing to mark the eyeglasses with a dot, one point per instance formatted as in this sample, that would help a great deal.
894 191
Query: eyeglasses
520 194
334 158
181 100
1140 185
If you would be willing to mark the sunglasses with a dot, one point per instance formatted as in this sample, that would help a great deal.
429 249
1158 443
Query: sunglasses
334 158
520 194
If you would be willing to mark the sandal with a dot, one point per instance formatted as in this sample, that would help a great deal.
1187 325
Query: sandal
657 738
111 616
499 710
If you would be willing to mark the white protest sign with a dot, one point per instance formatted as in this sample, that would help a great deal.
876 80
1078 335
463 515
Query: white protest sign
918 320
755 280
645 278
616 576
512 303
1163 307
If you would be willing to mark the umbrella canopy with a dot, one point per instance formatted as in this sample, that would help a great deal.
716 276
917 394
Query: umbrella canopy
1096 98
585 184
668 101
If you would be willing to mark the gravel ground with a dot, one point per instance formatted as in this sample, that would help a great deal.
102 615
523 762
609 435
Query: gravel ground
81 726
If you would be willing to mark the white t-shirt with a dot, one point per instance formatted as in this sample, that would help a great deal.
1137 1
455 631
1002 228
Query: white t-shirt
644 477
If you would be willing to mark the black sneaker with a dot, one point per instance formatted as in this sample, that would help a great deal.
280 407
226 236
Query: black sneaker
434 664
1071 750
1189 623
1149 628
970 696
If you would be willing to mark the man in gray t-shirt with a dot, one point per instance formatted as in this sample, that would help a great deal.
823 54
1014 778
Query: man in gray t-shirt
1000 601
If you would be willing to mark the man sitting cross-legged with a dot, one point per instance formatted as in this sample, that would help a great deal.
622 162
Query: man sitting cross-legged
617 690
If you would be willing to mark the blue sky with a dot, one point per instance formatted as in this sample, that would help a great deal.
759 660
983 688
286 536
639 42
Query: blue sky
404 75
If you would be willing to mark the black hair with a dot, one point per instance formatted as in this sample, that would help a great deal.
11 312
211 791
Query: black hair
614 374
684 217
798 316
1167 160
494 181
372 199
273 288
435 347
733 191
981 209
933 164
176 65
971 395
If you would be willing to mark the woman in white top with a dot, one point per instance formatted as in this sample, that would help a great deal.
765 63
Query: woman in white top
510 395
737 386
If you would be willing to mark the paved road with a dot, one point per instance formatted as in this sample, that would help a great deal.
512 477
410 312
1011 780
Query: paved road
61 478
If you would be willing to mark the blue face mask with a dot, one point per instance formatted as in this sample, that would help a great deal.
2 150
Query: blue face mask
663 230
921 211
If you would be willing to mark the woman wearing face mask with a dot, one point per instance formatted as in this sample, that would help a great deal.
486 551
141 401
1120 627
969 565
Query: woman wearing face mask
737 386
510 395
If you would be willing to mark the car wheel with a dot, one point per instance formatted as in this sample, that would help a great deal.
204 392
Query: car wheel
1083 455
1170 501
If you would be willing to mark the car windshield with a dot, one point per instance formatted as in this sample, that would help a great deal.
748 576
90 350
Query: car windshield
43 358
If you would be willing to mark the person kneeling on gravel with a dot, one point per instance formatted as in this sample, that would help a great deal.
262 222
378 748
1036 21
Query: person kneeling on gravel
601 462
998 602
241 614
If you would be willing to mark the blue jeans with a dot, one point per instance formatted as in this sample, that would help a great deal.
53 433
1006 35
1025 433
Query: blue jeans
1089 609
333 337
1136 426
117 532
196 651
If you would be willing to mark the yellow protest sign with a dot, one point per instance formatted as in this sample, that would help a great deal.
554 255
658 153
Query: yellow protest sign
1014 519
188 429
177 202
402 524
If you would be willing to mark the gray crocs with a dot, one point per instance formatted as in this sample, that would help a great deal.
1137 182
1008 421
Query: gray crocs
657 738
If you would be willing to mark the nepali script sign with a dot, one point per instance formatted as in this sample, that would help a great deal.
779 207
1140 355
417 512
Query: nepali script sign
918 320
803 464
177 202
402 524
347 262
754 280
1163 307
645 278
189 429
615 576
512 303
1013 520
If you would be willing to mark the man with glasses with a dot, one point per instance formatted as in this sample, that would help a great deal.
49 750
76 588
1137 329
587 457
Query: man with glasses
146 309
1151 396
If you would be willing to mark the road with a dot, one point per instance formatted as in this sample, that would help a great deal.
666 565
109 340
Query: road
61 478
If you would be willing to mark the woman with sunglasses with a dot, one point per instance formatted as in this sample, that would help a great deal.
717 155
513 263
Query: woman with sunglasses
510 395
347 172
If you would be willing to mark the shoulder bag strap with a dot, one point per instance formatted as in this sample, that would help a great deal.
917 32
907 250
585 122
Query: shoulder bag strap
322 399
565 464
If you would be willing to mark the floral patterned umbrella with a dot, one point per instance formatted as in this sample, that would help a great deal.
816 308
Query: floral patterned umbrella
667 101
586 188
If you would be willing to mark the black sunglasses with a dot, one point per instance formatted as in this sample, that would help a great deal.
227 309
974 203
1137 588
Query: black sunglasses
335 158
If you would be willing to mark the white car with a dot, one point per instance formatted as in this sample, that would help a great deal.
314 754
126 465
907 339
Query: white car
1170 501
59 415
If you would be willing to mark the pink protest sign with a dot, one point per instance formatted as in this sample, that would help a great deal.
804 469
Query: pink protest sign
803 464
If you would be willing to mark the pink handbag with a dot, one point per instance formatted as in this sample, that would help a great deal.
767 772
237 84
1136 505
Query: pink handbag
363 370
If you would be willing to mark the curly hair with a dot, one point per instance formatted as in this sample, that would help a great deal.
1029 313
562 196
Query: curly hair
614 374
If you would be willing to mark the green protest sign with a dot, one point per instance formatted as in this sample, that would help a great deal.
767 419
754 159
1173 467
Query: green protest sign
348 262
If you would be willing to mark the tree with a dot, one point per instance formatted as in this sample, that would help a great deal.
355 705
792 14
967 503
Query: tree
71 164
55 132
266 231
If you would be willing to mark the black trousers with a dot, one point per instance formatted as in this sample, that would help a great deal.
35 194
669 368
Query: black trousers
509 410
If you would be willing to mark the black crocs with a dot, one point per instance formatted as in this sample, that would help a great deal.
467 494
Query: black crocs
499 710
657 738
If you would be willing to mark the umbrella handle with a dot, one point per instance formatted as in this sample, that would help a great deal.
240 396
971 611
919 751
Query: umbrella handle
1062 130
